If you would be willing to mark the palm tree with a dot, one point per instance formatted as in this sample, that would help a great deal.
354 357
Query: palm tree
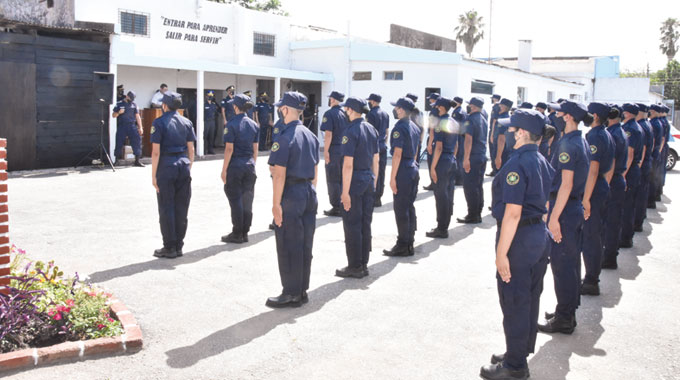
670 33
469 30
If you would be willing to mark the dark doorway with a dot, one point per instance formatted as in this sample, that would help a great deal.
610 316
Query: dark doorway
18 115
312 90
266 85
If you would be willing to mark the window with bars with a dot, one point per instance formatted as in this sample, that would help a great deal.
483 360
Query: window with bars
135 23
481 87
264 44
361 75
393 75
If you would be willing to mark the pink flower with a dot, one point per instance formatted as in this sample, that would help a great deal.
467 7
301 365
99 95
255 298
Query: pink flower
110 319
57 317
70 303
50 312
100 326
92 294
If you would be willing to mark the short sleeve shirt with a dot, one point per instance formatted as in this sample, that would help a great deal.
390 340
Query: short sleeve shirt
572 154
129 116
635 139
360 142
243 132
172 131
620 148
297 149
446 132
405 135
334 121
476 127
601 147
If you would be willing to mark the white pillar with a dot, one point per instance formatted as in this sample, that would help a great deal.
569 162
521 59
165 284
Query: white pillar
277 95
200 89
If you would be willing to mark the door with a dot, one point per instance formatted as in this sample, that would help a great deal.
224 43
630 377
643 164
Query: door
18 115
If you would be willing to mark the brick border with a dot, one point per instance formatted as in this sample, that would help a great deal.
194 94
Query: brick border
130 341
4 220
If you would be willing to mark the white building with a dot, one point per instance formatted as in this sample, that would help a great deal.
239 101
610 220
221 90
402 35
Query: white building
199 45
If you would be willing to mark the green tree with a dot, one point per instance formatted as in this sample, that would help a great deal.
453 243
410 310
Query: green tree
670 79
469 30
269 6
670 33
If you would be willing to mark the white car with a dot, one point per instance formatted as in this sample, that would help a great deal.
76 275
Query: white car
673 148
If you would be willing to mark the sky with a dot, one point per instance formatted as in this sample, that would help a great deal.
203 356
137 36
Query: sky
557 28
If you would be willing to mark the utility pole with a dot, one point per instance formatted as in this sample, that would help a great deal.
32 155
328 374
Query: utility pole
490 19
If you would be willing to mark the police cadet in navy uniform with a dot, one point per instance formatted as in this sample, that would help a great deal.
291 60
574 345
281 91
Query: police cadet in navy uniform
381 122
129 125
460 116
502 148
209 115
238 170
432 119
294 158
559 125
172 139
263 117
659 140
493 118
417 118
227 109
276 132
360 150
571 162
333 124
520 194
645 168
600 173
617 189
544 145
664 151
474 161
636 145
251 110
404 142
443 168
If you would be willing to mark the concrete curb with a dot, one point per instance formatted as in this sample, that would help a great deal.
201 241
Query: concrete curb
130 341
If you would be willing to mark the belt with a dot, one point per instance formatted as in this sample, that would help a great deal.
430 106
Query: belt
530 221
553 196
173 154
296 181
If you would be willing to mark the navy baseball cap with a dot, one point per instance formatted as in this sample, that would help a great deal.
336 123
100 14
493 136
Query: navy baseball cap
433 96
496 96
527 119
293 99
443 102
375 98
477 102
240 100
577 110
412 96
131 94
599 109
631 108
664 108
642 107
507 102
560 100
656 107
617 107
339 96
542 105
356 104
172 99
458 100
526 105
405 104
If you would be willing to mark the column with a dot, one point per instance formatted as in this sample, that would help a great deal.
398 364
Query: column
200 89
4 219
277 95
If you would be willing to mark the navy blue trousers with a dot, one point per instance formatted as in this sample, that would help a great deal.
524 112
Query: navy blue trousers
628 219
642 195
565 259
653 180
472 186
295 237
131 132
404 199
429 162
593 232
240 190
492 152
209 134
520 298
262 144
612 232
334 177
382 164
357 221
174 181
444 189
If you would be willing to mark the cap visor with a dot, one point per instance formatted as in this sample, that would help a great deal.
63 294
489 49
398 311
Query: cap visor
555 106
393 104
278 104
504 122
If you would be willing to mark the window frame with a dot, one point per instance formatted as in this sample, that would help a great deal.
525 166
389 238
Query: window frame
135 15
483 83
265 38
354 76
395 73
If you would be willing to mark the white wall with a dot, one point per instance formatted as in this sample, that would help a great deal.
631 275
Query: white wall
622 90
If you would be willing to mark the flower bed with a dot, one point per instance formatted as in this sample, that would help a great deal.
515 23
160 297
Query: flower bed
42 308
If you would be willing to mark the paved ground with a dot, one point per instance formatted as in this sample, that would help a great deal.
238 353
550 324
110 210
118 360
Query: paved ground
431 316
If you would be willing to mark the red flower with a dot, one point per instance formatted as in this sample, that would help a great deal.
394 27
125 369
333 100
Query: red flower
92 294
110 319
70 303
50 312
57 317
100 326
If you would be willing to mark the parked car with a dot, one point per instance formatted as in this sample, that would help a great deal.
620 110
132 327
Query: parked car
673 148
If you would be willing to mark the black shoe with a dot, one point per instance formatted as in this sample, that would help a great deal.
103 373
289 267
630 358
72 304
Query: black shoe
498 372
651 205
429 187
284 300
628 243
211 152
179 252
398 251
272 226
558 325
304 299
459 183
365 268
333 212
658 199
233 238
437 233
497 358
492 174
168 253
610 265
588 289
377 203
245 238
637 229
351 272
470 219
138 163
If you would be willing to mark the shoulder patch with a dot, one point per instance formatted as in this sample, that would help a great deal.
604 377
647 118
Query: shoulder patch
437 130
275 147
564 157
226 130
512 178
276 131
153 129
627 134
325 119
593 149
395 135
344 139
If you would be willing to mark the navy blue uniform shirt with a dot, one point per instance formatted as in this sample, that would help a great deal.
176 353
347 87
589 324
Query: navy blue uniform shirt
572 154
243 133
620 147
335 121
210 111
476 126
263 111
129 116
500 129
172 131
229 112
649 139
524 180
657 130
601 148
446 132
459 115
361 142
297 149
380 120
635 139
405 135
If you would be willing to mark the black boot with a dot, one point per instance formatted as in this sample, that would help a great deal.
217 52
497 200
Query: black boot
138 163
351 272
335 211
233 238
168 253
499 372
558 325
398 250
